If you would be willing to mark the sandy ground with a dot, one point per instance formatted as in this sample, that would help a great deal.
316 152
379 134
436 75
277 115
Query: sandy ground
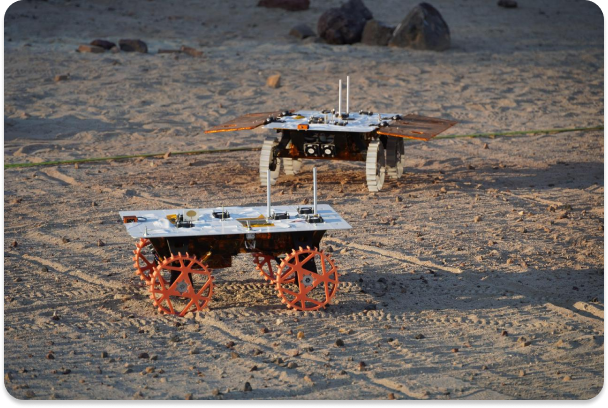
519 293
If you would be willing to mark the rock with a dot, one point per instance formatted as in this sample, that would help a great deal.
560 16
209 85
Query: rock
247 387
289 5
344 24
419 336
254 368
292 365
484 367
59 78
191 51
90 48
150 369
189 397
8 377
143 355
106 45
398 199
504 333
567 378
302 31
274 81
477 218
391 396
264 330
104 354
194 351
485 146
300 335
65 240
339 343
522 373
376 33
234 355
454 350
507 3
422 29
230 344
138 395
100 243
50 356
167 155
133 46
362 366
215 392
308 380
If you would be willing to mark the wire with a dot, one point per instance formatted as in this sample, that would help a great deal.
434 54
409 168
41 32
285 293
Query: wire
252 149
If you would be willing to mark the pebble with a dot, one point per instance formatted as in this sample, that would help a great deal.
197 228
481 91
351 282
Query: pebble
567 378
127 371
138 395
50 356
419 336
362 366
234 355
264 330
254 368
191 51
189 397
398 199
485 146
106 45
522 373
391 396
143 355
100 243
194 351
150 369
454 350
247 387
477 218
308 380
90 48
133 46
339 343
274 81
65 240
230 344
300 335
292 365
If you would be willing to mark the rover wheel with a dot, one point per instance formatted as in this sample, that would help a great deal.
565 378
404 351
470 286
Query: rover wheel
291 167
375 166
144 259
265 264
307 279
190 289
269 162
394 157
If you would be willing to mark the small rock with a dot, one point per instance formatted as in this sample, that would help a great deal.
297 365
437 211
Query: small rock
100 243
14 244
398 199
65 240
484 367
133 46
59 78
93 204
191 51
567 378
454 350
504 333
167 155
8 377
294 353
422 29
300 335
234 355
289 5
150 369
90 48
215 392
274 81
143 355
292 365
477 219
50 356
419 336
230 344
189 397
507 3
247 387
302 31
138 395
339 343
376 33
254 368
522 373
391 396
106 45
264 330
104 354
308 380
194 351
485 146
362 366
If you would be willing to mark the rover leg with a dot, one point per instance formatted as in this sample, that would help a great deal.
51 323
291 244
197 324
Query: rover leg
190 291
268 161
394 157
144 259
375 165
303 287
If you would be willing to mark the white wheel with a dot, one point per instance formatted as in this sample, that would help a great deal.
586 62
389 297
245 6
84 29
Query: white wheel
291 167
375 166
267 160
394 157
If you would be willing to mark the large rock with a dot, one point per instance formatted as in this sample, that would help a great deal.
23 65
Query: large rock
106 45
133 46
290 5
422 29
376 33
345 24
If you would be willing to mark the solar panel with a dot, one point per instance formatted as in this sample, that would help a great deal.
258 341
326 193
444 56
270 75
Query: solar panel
416 127
245 122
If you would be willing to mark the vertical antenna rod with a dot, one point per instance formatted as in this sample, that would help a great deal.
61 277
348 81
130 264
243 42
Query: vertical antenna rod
339 97
268 193
347 86
314 187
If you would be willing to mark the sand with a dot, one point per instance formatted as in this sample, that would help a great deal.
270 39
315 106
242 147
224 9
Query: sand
518 293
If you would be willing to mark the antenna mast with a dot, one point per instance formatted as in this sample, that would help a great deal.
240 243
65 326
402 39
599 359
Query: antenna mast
268 193
314 187
347 89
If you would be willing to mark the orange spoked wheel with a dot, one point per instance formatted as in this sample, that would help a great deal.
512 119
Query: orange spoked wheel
181 284
144 259
307 279
264 264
